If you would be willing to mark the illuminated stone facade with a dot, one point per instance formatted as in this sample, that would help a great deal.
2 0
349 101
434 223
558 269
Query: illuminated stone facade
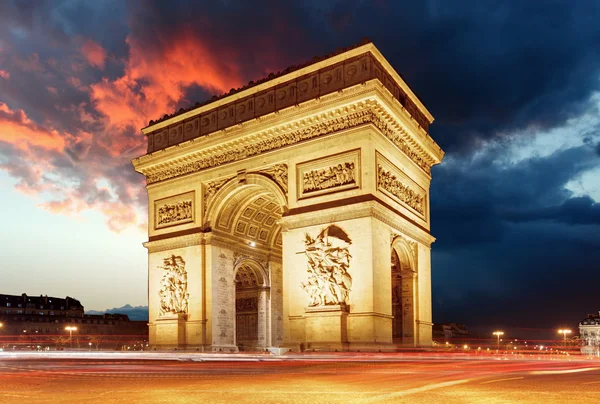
589 331
299 206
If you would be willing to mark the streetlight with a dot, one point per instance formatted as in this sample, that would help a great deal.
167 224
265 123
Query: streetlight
564 333
71 329
498 334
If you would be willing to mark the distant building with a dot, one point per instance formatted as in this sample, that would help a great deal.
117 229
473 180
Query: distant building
589 330
450 331
37 322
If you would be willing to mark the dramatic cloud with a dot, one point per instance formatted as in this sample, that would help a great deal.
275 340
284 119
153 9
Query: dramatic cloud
514 89
93 53
16 128
154 82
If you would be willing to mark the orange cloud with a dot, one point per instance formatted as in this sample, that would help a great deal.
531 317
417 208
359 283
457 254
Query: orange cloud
17 129
94 53
4 74
154 81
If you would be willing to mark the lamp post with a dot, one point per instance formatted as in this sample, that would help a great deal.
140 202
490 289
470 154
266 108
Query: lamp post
498 334
564 333
71 329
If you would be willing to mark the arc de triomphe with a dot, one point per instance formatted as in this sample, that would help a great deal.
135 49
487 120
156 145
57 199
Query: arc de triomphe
293 212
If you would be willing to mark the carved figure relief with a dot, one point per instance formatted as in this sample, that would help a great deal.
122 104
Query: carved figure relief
399 186
174 210
173 287
329 174
389 182
279 173
330 177
329 282
211 189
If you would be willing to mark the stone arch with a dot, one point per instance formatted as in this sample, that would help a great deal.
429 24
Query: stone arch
259 271
404 278
405 252
250 181
248 208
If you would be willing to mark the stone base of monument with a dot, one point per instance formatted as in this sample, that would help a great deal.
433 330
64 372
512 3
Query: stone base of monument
170 331
225 349
278 350
326 328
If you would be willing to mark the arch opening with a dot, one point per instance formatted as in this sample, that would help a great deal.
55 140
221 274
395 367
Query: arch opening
244 218
403 277
247 300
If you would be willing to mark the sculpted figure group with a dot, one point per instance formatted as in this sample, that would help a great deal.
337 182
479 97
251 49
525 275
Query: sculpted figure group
330 177
329 282
173 287
175 212
390 183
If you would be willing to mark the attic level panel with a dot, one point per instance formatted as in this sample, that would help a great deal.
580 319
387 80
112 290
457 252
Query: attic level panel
329 79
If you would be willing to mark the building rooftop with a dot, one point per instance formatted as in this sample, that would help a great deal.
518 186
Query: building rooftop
41 301
592 319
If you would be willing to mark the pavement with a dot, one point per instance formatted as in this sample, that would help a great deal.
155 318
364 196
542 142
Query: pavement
155 377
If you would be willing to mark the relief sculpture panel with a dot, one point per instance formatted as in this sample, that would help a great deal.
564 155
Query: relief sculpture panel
173 287
175 210
329 282
330 174
398 186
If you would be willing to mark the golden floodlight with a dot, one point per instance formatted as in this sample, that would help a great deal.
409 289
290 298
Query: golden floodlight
498 334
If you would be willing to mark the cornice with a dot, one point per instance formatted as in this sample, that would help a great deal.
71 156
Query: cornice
173 243
367 109
364 209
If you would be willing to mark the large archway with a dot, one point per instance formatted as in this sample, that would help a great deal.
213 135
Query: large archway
403 292
244 219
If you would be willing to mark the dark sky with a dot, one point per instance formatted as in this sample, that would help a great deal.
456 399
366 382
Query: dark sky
514 87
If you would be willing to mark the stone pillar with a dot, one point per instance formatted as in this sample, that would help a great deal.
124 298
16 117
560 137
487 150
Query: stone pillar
276 300
408 307
223 300
263 316
423 312
364 322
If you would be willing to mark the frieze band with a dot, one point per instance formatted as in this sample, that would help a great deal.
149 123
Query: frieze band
330 177
175 210
320 129
390 183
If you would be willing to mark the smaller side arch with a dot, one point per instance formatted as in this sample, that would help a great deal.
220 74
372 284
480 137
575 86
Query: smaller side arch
250 264
405 253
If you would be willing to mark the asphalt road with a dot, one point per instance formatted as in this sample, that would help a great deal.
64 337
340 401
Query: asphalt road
341 379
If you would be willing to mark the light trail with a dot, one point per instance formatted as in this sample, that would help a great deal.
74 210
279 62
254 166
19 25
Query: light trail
560 372
502 380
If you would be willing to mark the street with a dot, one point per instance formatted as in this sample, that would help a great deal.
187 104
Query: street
365 378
